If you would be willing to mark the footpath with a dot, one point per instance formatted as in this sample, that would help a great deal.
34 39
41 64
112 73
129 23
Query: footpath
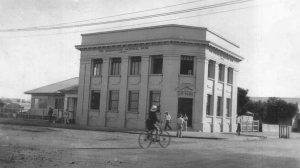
186 134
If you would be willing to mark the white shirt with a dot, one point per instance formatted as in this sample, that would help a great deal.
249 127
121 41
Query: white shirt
239 120
180 120
168 117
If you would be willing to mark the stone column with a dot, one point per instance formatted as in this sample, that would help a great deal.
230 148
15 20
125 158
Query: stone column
123 92
103 94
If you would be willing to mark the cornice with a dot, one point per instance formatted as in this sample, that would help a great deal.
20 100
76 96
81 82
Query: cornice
147 43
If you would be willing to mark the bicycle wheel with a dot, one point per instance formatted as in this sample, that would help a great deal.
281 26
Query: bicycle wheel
164 139
145 139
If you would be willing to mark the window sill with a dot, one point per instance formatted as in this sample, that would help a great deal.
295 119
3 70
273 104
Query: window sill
132 112
230 84
114 75
222 82
100 76
209 116
212 79
113 111
185 75
219 117
138 75
97 110
155 74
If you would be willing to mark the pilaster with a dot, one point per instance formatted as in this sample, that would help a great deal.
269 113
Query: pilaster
215 97
224 109
103 94
123 92
143 96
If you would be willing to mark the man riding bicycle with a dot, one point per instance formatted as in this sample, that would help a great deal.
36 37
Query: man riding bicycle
153 123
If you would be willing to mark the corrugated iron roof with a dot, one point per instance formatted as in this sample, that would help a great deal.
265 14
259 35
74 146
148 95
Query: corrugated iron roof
55 87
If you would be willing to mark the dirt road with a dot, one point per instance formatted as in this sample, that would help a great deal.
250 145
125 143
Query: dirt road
27 146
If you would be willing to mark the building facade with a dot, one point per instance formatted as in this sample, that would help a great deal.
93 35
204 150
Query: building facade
183 69
61 96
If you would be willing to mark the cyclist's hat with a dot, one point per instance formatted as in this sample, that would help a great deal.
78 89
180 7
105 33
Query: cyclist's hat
153 108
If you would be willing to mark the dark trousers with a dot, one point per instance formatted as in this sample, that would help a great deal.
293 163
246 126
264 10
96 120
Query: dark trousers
168 125
50 118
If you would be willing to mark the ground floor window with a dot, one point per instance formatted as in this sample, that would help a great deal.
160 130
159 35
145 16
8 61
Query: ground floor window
133 101
209 104
59 103
219 106
154 98
95 99
42 102
113 100
228 107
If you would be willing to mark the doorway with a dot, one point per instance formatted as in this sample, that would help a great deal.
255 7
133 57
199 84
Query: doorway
185 106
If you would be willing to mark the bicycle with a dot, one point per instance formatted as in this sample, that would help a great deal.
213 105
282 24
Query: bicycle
148 137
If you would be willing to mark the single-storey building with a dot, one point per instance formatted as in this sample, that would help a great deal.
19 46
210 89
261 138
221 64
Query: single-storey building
183 69
61 96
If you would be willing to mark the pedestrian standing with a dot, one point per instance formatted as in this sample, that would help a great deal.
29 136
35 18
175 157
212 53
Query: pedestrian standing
168 120
180 121
50 112
238 121
185 118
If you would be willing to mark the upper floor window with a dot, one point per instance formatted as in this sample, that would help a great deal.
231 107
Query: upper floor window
156 64
97 64
133 101
221 72
135 65
115 66
211 69
230 75
187 65
113 100
95 99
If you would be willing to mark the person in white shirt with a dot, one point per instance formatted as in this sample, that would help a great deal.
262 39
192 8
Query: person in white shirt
180 121
168 120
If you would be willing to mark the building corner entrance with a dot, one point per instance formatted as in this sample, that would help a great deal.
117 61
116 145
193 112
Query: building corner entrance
185 106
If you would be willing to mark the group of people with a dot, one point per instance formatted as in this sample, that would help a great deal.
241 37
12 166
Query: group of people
154 121
67 116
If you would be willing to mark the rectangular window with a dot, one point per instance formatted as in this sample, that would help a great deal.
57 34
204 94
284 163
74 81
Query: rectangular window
97 65
135 65
211 69
230 75
221 72
115 66
35 103
228 107
154 98
156 64
187 65
113 100
95 100
59 103
133 101
219 106
209 105
42 103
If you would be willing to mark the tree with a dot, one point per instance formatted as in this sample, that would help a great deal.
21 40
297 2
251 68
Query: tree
256 107
242 100
278 110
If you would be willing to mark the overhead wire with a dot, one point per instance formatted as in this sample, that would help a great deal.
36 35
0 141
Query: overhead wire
111 28
129 19
123 14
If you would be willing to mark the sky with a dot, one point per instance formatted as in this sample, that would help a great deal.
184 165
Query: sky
267 32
